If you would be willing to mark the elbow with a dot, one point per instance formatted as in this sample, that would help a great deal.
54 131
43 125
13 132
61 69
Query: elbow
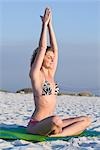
33 73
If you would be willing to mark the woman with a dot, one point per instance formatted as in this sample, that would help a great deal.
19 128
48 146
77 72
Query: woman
42 72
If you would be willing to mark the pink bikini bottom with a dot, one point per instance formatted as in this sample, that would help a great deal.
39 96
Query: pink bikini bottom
33 122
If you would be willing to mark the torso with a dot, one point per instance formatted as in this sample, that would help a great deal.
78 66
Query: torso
44 104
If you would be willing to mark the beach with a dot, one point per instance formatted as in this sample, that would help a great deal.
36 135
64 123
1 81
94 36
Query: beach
16 109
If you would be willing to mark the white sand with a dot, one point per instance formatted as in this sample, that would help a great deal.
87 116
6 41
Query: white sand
16 109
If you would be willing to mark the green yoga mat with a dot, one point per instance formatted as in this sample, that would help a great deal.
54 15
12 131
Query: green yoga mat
20 133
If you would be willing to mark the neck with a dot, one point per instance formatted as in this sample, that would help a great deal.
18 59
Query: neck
45 71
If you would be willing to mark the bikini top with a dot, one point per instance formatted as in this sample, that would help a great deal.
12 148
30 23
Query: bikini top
47 90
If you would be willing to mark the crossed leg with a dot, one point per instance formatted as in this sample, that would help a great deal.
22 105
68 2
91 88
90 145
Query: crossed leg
73 126
46 126
53 126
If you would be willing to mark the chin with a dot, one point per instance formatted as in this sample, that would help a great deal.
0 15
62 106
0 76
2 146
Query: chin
48 67
51 67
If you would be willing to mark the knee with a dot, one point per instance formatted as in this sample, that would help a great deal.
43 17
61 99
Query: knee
57 120
88 120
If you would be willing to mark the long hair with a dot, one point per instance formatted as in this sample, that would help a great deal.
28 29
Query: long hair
35 53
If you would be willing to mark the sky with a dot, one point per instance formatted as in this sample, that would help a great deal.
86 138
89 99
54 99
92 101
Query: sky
77 28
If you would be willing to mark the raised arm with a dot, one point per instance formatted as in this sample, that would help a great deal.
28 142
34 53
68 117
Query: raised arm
53 44
36 66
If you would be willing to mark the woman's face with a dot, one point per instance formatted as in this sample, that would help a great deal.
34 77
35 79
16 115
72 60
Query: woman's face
48 61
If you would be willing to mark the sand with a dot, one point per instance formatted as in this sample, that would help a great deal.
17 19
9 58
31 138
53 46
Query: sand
16 109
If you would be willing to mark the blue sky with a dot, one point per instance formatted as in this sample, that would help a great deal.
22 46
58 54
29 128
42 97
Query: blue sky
76 25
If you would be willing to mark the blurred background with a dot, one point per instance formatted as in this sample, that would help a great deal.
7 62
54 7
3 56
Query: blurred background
77 28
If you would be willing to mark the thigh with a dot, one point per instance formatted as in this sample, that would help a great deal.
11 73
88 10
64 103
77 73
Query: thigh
43 127
69 121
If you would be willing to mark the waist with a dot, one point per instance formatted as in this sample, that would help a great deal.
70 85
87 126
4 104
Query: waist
51 95
33 121
40 115
44 106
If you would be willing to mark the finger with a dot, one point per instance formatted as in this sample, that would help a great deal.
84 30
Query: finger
47 8
47 11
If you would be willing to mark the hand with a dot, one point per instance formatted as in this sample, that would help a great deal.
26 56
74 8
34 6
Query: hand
46 17
50 21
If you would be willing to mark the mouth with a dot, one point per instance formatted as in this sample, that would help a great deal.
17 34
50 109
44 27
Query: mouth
51 63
